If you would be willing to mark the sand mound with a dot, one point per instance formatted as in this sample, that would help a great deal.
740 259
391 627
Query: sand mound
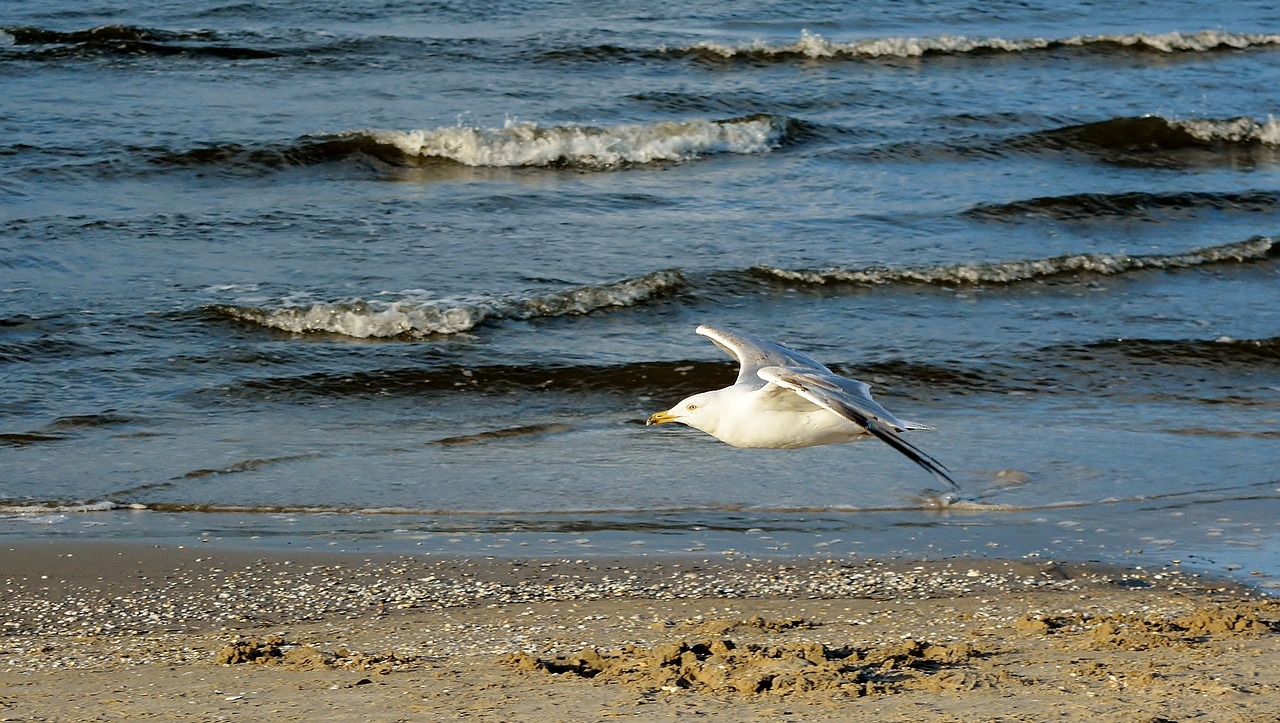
275 652
1136 632
721 665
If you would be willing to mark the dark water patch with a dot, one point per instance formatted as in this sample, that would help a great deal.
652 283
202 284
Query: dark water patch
89 421
912 379
22 324
1144 132
26 439
240 159
1234 372
629 379
25 339
1229 433
1153 141
1242 372
721 103
123 40
1222 353
248 465
1137 142
1133 205
42 349
503 435
65 428
382 52
105 33
602 53
32 164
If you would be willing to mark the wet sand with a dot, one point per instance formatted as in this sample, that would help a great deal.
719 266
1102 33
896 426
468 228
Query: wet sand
109 631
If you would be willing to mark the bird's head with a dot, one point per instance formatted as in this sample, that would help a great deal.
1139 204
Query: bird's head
700 411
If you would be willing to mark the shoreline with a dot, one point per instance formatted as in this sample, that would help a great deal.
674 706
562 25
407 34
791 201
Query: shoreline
197 633
1230 538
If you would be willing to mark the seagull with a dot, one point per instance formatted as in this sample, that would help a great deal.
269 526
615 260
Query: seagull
784 399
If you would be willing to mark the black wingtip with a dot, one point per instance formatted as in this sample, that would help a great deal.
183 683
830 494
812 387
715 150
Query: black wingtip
912 452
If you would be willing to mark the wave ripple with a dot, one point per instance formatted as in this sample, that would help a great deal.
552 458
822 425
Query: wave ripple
422 317
1012 272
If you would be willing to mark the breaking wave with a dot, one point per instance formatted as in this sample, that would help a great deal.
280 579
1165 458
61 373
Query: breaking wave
814 46
1013 272
419 317
514 145
527 144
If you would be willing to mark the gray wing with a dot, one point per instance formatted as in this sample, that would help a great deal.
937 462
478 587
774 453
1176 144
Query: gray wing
852 400
754 353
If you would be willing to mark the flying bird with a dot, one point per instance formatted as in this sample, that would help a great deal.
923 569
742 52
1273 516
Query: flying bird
784 399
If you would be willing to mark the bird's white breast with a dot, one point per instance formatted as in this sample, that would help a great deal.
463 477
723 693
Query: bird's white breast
755 421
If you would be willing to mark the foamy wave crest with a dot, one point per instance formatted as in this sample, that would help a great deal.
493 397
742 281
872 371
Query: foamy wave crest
527 144
811 45
418 317
1198 42
1235 130
1011 272
51 512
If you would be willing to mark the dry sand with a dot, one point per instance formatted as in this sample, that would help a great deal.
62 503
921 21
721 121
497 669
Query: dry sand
111 632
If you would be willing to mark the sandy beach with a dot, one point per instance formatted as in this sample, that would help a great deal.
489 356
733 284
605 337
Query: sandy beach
117 632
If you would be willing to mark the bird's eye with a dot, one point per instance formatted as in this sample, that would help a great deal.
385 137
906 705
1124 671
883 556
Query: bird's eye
692 407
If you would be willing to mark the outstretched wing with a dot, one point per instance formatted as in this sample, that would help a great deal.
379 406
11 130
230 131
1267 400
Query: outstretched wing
852 400
754 353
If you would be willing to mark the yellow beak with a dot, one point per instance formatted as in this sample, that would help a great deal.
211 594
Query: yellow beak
661 418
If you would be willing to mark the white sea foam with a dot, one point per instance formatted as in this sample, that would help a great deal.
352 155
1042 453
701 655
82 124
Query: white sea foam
363 320
48 515
527 144
811 45
1235 130
1016 271
421 316
1181 42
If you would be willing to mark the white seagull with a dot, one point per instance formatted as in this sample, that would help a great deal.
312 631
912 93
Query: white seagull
784 399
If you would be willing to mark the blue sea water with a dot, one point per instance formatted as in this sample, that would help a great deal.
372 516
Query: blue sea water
412 275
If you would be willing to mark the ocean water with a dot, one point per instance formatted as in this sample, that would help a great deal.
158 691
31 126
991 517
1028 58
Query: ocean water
410 276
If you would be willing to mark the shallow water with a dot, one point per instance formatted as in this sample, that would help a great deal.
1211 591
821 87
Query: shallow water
382 275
